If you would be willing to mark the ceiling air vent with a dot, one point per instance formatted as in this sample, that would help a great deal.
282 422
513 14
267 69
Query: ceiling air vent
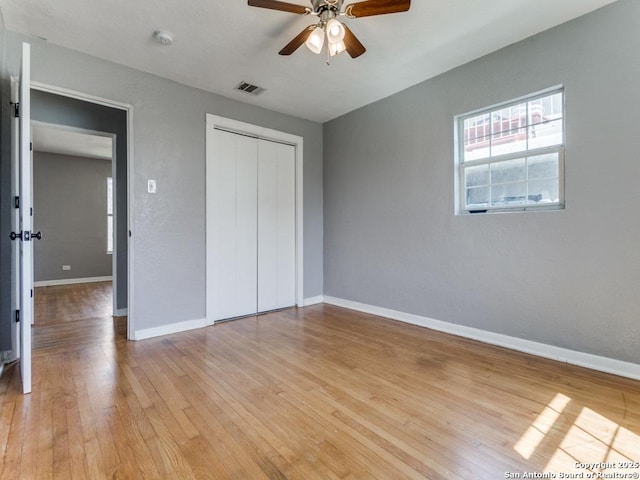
249 88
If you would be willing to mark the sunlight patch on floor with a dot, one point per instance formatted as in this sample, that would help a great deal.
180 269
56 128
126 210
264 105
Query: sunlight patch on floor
541 426
595 439
587 444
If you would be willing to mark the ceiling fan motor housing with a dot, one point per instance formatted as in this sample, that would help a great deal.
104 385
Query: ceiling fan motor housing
320 6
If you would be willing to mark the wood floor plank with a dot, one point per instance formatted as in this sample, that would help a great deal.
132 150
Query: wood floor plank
334 409
313 393
15 410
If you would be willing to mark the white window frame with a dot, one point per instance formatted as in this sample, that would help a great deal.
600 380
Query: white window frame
461 165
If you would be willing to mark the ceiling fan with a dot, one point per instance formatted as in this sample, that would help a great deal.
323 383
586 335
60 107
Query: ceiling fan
339 37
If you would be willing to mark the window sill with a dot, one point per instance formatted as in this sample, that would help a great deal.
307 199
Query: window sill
491 211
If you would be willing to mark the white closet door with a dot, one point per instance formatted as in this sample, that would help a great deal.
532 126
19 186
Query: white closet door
232 226
276 226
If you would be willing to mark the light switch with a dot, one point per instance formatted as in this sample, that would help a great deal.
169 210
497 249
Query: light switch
151 186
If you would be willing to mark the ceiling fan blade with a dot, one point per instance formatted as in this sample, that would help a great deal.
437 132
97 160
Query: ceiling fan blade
377 7
352 44
293 45
276 5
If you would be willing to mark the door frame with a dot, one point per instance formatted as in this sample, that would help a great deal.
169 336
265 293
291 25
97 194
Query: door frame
113 137
234 126
128 108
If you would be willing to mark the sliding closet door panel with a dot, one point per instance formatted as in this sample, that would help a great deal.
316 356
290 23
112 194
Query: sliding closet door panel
246 227
232 217
286 226
267 226
220 192
276 225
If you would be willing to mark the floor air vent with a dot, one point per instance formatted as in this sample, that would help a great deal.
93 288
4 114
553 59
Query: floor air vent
249 88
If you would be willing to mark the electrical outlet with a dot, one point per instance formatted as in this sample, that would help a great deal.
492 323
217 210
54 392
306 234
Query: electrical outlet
151 186
66 267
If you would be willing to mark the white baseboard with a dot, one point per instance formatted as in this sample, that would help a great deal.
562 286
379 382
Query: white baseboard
121 312
312 301
71 281
594 362
169 329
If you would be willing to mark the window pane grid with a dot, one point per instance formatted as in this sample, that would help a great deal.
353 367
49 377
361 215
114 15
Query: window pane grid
511 156
517 192
511 128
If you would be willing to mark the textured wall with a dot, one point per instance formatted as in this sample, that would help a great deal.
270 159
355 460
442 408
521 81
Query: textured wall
566 278
168 128
70 209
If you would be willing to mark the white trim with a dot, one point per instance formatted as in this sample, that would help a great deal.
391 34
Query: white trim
15 222
131 332
69 128
170 329
313 301
573 357
71 281
128 108
121 312
235 126
65 92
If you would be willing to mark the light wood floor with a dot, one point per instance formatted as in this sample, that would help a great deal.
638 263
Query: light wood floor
71 317
314 393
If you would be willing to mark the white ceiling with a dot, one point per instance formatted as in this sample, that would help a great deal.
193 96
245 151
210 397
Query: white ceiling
69 142
219 43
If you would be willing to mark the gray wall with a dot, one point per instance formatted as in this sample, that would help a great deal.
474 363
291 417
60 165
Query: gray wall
70 209
566 278
168 129
60 110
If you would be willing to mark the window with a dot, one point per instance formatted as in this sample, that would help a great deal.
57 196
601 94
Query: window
109 215
511 156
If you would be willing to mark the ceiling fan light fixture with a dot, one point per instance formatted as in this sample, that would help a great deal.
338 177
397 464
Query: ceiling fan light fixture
315 41
336 48
339 37
335 31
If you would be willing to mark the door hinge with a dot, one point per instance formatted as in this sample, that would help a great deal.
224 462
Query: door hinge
17 316
16 202
31 146
32 293
16 110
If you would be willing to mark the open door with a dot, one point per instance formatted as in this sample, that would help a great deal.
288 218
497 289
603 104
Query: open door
24 235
